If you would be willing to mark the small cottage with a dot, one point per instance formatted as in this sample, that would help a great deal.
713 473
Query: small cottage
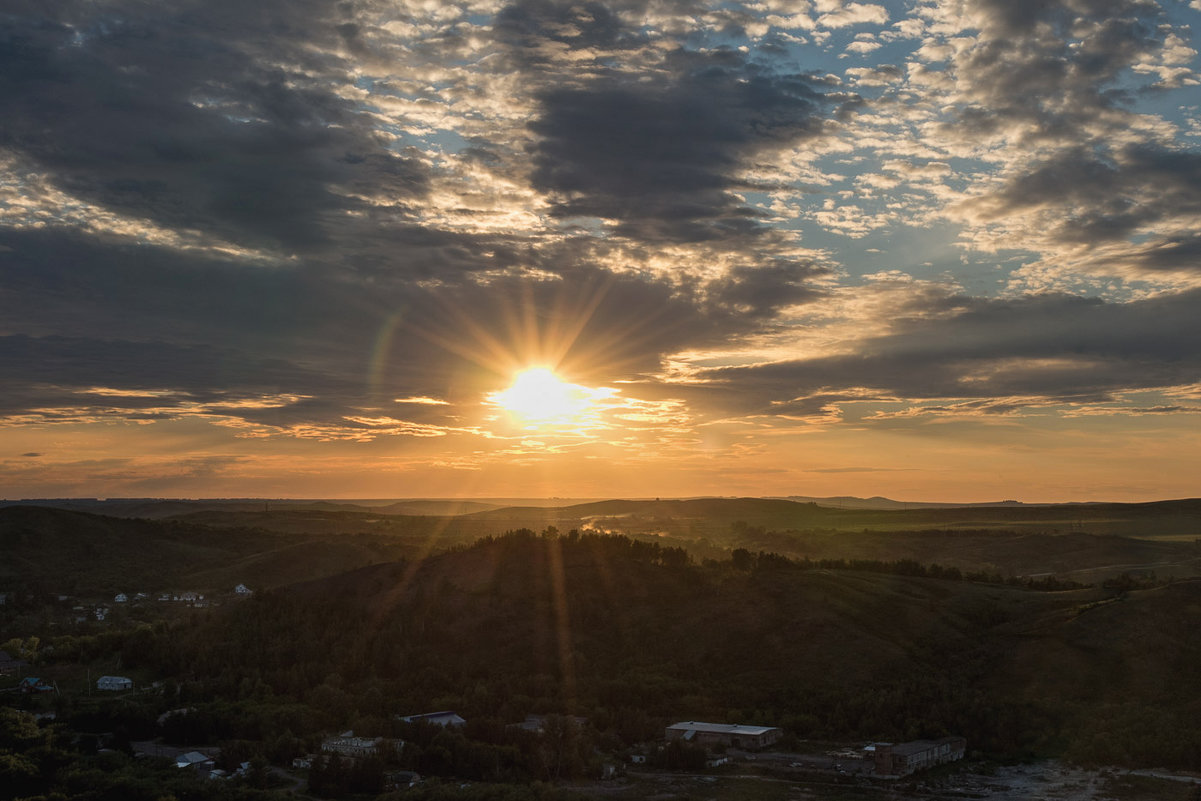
114 683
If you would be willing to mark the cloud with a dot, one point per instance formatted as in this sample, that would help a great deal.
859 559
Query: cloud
350 222
199 118
1100 195
858 470
663 159
1045 349
538 30
164 334
842 14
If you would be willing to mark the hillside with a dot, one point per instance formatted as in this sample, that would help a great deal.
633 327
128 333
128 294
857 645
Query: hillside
630 636
696 518
704 516
76 552
1077 556
57 551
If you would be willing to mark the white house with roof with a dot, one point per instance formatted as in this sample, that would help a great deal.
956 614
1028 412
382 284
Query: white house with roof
114 683
732 735
120 598
442 719
347 744
194 759
242 589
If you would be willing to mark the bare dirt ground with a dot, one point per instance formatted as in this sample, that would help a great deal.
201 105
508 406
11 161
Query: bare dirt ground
1053 781
1044 781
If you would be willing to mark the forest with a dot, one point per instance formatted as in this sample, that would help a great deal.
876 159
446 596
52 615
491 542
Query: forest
607 639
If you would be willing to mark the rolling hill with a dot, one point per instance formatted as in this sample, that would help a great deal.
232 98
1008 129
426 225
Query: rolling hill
630 636
66 552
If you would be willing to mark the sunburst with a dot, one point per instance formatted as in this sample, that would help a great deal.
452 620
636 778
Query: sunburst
537 395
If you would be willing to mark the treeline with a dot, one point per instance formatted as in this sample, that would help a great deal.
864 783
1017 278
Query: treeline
743 559
613 546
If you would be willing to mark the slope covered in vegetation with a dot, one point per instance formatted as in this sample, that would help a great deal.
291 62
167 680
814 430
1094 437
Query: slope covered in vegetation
631 635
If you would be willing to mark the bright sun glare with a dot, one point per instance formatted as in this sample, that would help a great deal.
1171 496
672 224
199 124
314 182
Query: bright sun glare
538 395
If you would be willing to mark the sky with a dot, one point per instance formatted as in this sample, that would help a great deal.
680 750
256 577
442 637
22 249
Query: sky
299 248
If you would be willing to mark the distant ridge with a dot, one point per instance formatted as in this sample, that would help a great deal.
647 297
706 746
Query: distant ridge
161 508
878 502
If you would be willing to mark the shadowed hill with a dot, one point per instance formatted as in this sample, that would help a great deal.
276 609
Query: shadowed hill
59 551
630 635
1081 557
74 552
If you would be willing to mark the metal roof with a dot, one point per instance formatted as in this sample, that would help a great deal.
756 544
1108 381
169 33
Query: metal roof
721 728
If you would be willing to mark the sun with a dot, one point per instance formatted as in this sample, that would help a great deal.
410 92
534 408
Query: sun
539 396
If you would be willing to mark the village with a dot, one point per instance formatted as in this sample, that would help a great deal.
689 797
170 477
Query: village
708 747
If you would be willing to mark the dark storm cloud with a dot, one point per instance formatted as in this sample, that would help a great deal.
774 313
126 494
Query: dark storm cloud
533 27
197 115
1174 253
202 372
662 157
602 324
185 328
761 290
1108 196
1055 347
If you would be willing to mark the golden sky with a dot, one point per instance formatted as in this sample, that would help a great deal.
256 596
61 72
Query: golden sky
926 250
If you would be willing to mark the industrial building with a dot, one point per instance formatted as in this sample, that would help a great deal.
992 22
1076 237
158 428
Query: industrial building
905 758
730 735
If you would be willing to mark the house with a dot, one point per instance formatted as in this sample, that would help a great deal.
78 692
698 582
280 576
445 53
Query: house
727 734
242 589
32 684
120 598
906 758
302 762
347 744
442 719
114 683
195 759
